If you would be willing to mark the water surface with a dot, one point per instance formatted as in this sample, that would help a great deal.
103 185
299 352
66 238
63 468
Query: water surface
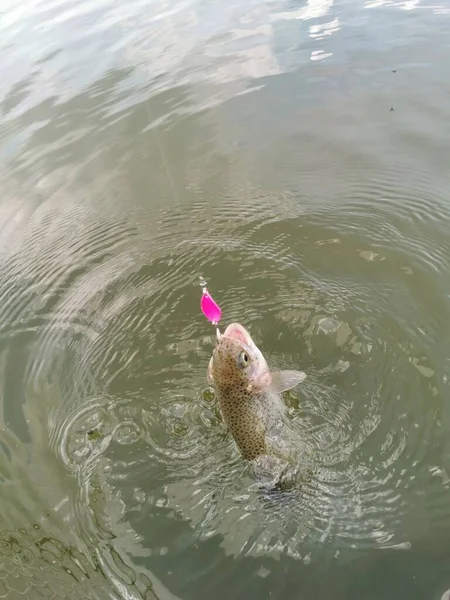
296 156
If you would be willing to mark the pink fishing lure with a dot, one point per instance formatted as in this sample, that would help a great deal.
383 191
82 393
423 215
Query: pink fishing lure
210 309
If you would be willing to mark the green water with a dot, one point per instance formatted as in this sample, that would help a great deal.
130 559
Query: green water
297 157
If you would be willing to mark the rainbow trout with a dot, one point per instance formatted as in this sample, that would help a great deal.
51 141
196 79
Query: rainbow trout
249 397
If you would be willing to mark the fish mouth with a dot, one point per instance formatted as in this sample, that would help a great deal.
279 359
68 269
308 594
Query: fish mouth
236 331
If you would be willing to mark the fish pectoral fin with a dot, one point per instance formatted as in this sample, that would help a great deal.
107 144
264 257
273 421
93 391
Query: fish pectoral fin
286 380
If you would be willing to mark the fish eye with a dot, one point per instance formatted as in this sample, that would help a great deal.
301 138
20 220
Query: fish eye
243 359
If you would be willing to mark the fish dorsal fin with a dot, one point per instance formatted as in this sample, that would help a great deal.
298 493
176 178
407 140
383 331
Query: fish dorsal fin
286 380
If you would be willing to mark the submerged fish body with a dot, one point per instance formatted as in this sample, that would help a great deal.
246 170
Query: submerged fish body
249 394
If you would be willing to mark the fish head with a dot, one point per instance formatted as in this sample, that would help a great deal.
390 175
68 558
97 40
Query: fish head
237 361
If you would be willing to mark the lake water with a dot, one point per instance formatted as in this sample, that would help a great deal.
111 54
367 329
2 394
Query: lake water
297 156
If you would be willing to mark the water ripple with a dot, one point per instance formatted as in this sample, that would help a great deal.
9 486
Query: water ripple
349 416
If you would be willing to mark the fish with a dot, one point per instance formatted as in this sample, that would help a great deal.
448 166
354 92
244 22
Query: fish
249 395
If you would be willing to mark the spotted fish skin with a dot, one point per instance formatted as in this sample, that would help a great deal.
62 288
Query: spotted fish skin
247 390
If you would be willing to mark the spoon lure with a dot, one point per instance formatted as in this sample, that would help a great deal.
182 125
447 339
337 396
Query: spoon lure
210 308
